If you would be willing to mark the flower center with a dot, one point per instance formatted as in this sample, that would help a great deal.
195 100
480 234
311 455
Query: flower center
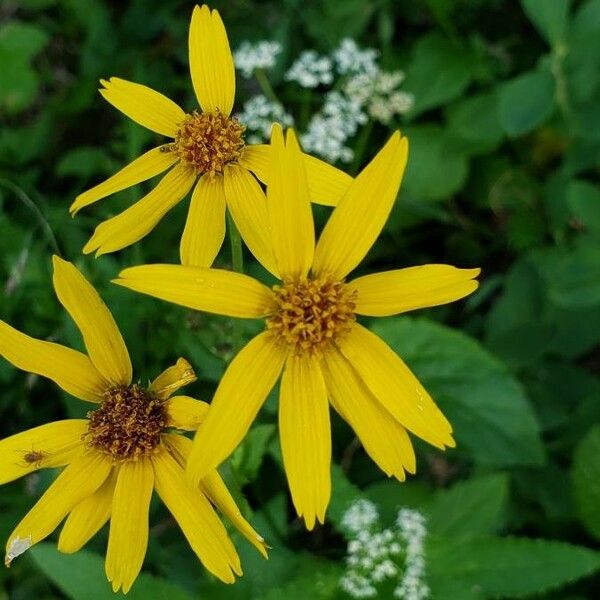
311 313
128 423
208 141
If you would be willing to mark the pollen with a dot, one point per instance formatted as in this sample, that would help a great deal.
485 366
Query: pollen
128 423
310 314
208 141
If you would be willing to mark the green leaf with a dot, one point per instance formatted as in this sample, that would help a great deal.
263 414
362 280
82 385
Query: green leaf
506 567
248 457
586 481
487 407
472 507
440 70
526 102
81 576
550 18
583 199
343 494
436 167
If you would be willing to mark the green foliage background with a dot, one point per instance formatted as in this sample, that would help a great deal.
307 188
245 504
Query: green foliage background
503 173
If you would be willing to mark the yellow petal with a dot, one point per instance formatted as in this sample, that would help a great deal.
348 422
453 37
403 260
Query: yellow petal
211 290
214 488
146 166
205 225
71 370
305 434
393 292
288 205
326 184
88 517
394 385
77 481
244 387
143 105
186 413
361 214
103 340
138 220
198 521
128 538
248 206
173 378
383 438
257 158
211 63
47 446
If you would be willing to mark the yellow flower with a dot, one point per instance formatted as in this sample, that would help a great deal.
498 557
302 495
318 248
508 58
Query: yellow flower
312 339
119 454
206 145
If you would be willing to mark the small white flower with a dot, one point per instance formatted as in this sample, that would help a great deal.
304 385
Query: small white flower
350 59
258 116
260 55
311 70
361 515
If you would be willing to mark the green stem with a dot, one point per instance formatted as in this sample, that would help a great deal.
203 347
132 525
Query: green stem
31 205
361 146
265 85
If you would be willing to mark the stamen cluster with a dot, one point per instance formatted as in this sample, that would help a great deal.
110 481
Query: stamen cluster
311 313
128 423
208 141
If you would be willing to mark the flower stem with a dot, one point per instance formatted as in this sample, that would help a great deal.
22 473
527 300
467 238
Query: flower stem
265 85
361 146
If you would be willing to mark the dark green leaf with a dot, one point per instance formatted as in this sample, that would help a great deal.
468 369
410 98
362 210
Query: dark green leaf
586 481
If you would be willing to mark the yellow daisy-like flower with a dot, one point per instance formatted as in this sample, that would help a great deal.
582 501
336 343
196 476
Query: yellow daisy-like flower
125 448
312 339
208 147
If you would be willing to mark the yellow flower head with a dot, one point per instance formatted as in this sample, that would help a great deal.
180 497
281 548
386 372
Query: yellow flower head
312 339
207 150
125 448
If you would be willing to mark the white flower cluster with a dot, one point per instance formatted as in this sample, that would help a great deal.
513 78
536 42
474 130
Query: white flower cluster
311 70
375 556
352 60
261 55
258 116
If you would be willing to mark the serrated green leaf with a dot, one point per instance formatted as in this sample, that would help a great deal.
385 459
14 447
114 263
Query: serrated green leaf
487 407
81 576
472 507
526 102
506 567
586 481
550 18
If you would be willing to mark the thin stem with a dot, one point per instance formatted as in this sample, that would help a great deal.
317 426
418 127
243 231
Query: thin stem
31 205
265 85
361 146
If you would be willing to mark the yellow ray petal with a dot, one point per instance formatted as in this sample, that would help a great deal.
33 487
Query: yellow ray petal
78 481
88 517
305 434
128 537
103 340
394 385
382 437
361 214
71 370
205 225
216 491
211 290
173 378
257 158
143 105
146 166
198 521
244 387
248 206
326 184
138 220
288 205
211 63
47 446
393 292
186 413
